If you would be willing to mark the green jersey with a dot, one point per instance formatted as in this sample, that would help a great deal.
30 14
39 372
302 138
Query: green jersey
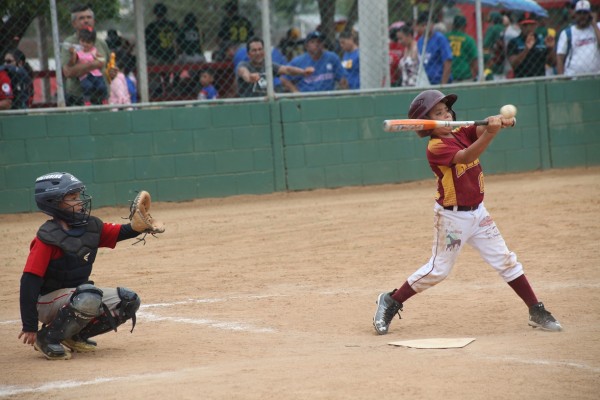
464 51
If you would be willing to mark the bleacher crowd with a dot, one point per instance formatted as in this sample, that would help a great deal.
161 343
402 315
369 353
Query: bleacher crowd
434 49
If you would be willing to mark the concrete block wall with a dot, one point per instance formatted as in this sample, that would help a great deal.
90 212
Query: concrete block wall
216 150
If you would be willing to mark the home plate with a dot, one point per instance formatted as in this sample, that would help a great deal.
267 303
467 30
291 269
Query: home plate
434 343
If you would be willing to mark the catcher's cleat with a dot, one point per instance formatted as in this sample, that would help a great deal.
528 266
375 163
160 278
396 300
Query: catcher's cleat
80 345
387 307
52 351
539 317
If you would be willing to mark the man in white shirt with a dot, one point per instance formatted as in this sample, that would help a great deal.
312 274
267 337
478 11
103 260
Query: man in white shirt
579 52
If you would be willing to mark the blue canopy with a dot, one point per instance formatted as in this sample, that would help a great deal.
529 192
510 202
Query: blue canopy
515 5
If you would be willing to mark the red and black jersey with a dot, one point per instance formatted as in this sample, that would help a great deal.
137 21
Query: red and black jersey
458 184
40 253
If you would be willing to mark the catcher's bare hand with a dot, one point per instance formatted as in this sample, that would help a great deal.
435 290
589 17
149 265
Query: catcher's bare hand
139 215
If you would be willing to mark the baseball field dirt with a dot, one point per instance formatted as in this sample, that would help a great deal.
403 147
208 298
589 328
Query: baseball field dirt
272 297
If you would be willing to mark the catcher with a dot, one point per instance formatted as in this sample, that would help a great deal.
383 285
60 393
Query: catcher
55 285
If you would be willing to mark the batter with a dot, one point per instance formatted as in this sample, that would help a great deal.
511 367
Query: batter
460 216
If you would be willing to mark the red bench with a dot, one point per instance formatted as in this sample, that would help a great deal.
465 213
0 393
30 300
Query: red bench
223 71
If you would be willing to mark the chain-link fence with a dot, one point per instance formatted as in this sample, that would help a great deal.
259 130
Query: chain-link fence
200 50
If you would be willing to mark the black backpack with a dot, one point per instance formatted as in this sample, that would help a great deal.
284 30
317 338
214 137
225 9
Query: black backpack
21 85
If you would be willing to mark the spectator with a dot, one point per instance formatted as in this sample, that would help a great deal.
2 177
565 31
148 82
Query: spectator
409 63
350 58
326 66
251 77
6 94
226 52
578 48
234 28
493 46
464 52
93 87
21 77
396 51
120 86
189 41
113 40
241 54
126 62
207 90
161 37
438 55
512 30
82 17
276 57
529 53
291 45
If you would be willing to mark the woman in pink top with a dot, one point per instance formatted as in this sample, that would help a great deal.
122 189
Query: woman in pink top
92 84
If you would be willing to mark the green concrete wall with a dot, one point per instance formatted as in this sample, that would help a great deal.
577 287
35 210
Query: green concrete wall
216 150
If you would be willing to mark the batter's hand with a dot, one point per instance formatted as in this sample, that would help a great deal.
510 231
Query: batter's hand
507 122
494 124
28 337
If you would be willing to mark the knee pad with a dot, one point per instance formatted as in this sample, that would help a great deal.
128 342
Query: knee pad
130 303
84 305
106 321
87 300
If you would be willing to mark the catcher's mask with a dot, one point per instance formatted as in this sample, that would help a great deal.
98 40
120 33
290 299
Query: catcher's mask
50 190
425 101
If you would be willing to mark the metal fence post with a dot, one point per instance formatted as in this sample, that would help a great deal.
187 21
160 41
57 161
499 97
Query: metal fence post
140 52
60 93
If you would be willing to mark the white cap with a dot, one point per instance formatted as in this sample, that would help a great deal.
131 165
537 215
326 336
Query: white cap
583 5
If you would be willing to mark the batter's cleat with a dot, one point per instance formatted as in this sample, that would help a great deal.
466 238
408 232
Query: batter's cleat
52 351
387 308
80 345
539 317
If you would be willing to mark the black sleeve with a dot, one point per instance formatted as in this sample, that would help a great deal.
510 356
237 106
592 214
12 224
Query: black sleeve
30 290
126 232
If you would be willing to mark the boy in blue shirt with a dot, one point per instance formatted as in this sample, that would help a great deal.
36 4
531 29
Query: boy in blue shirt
350 59
208 91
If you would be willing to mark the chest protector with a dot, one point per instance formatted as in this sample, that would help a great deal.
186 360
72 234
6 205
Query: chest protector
75 266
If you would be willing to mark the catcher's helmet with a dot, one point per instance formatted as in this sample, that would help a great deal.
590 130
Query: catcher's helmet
425 101
50 189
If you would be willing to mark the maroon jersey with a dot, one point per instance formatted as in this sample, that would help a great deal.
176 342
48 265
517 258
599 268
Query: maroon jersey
458 184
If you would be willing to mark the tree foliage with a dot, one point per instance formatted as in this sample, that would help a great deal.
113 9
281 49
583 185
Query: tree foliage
18 15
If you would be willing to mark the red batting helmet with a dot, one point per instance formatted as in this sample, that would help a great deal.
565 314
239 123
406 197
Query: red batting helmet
425 101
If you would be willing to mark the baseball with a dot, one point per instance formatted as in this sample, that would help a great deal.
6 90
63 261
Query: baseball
508 111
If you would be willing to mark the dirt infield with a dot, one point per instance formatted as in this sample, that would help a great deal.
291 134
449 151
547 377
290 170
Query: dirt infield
272 297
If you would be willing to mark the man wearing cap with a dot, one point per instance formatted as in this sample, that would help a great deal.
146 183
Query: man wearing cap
464 51
326 65
529 53
578 51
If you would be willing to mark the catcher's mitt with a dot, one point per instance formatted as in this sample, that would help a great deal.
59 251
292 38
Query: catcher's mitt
141 220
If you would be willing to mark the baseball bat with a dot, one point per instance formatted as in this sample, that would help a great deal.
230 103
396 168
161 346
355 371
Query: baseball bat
397 125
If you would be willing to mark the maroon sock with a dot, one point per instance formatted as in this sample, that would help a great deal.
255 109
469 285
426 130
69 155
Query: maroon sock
522 287
404 293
